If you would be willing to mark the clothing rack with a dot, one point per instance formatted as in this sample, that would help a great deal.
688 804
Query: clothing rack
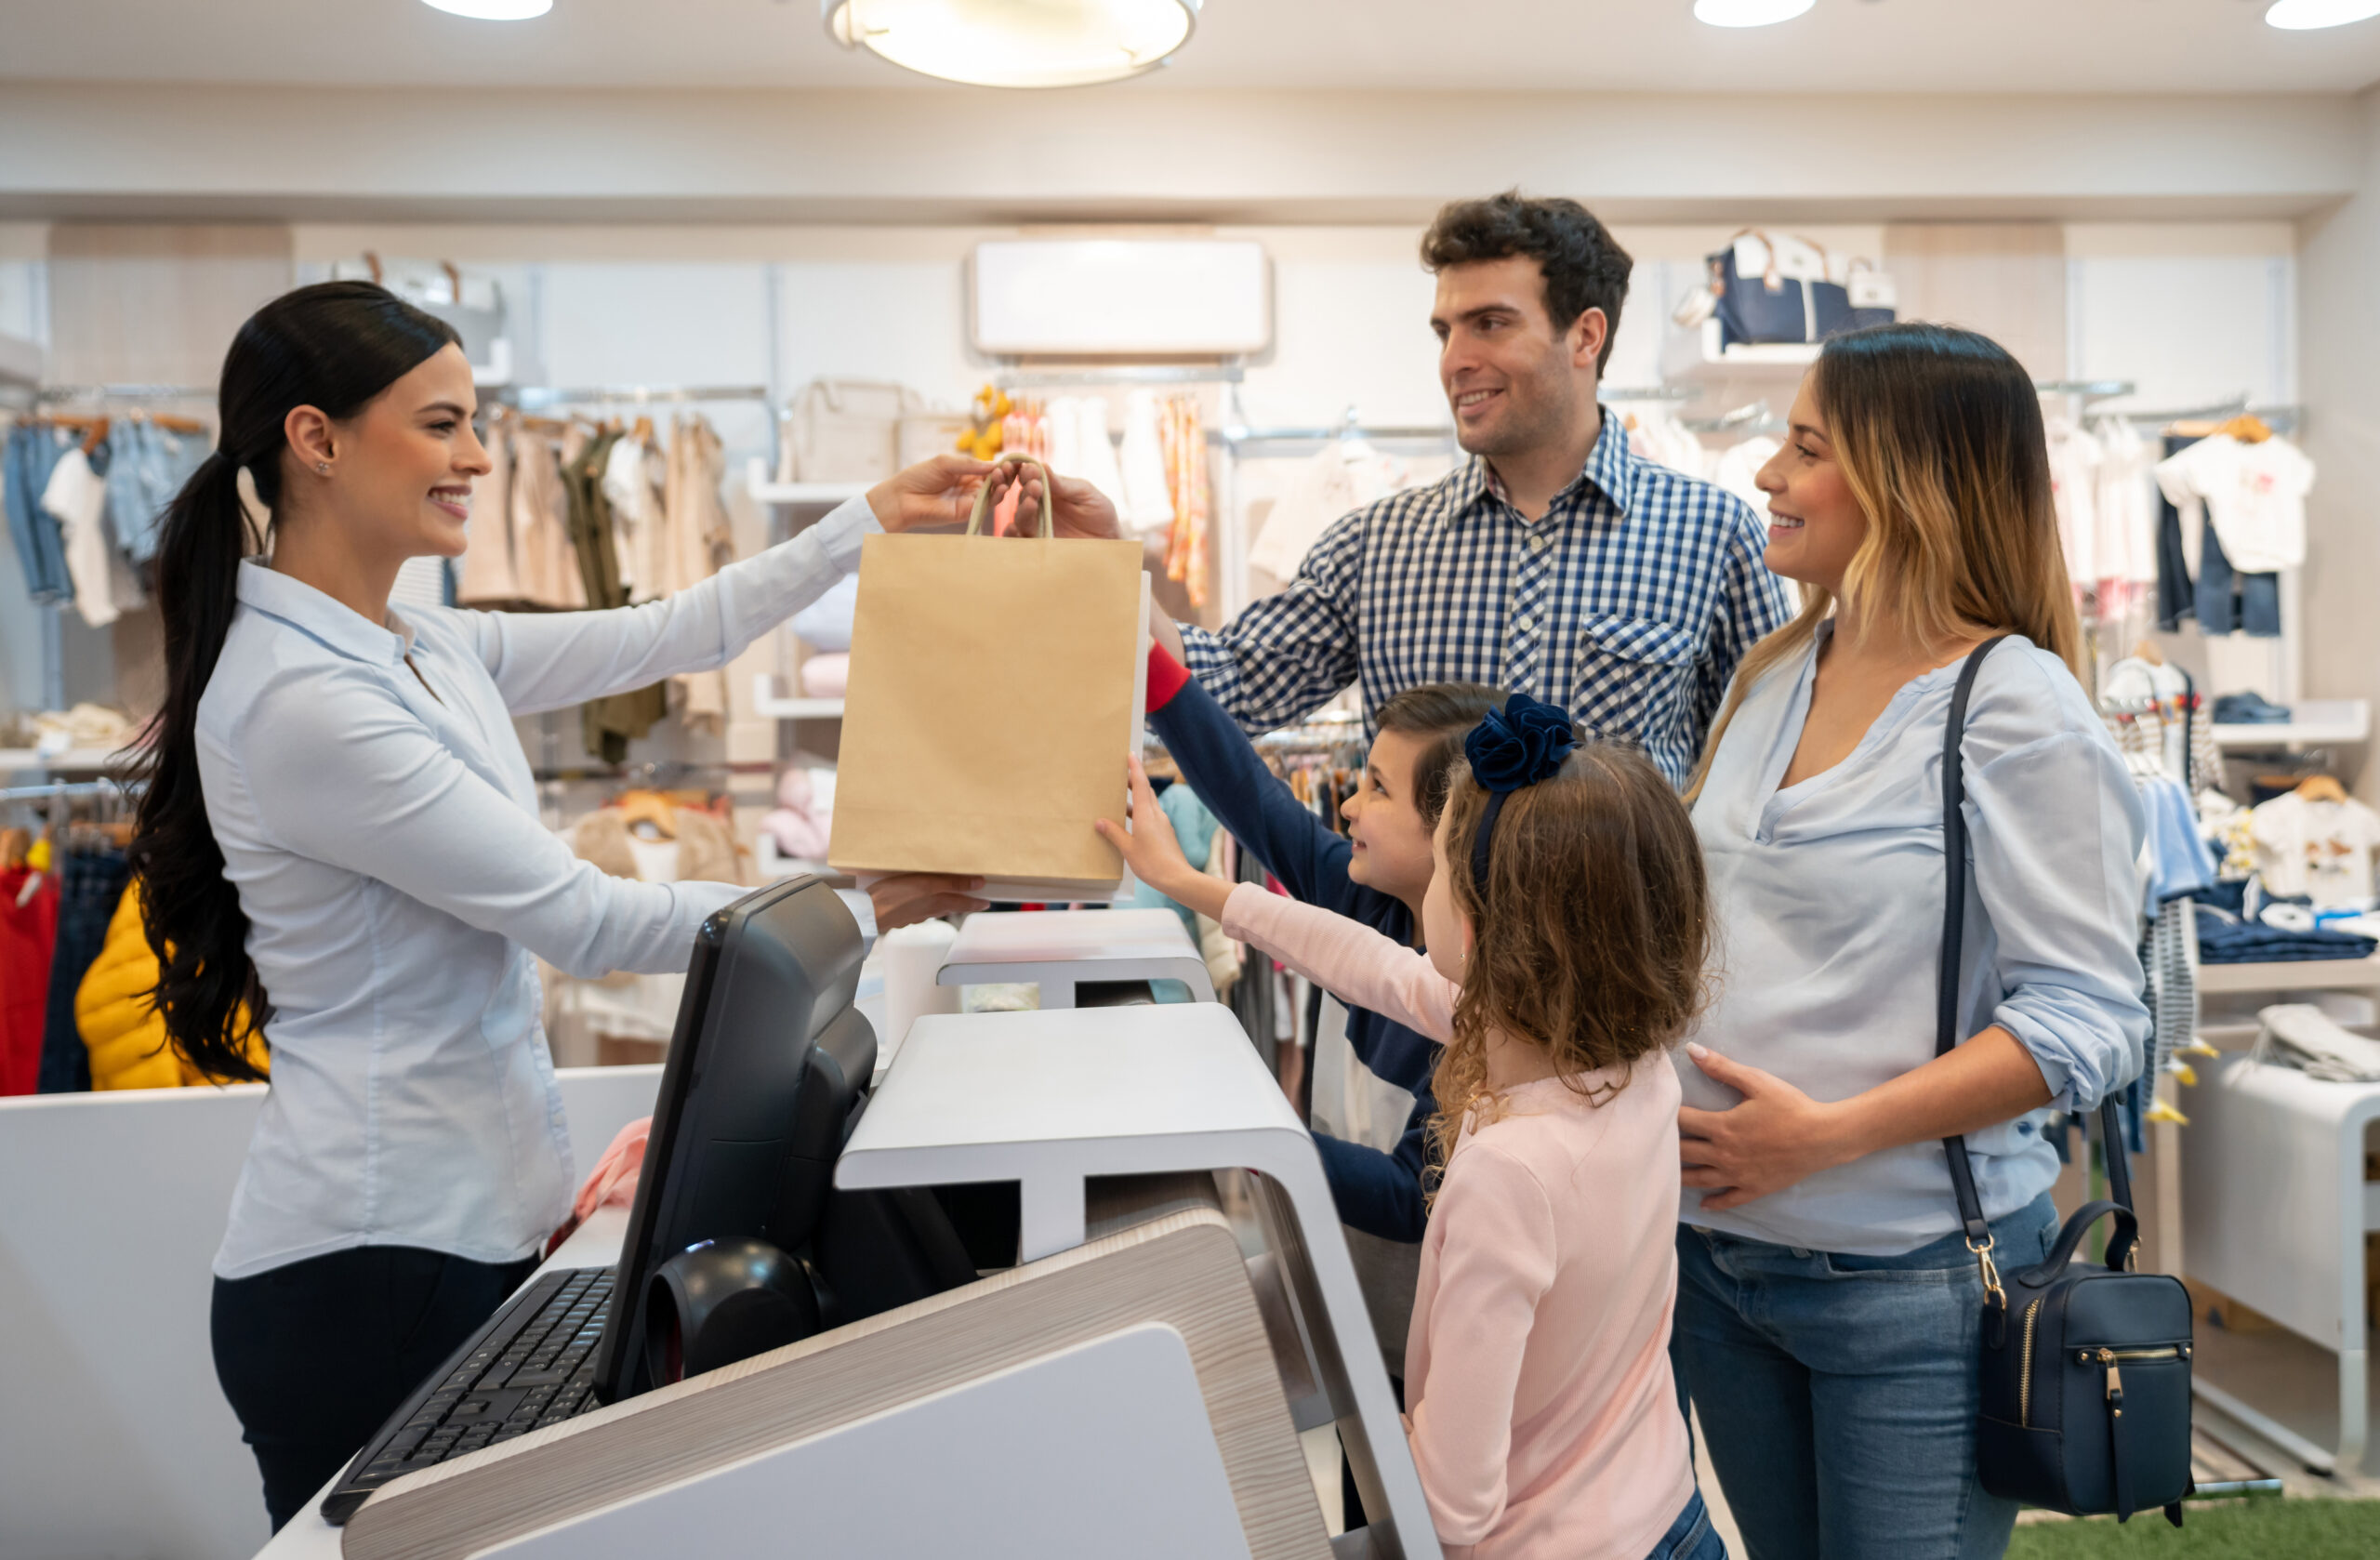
2280 420
1352 426
537 398
49 394
1649 393
71 788
2089 389
1751 417
1128 375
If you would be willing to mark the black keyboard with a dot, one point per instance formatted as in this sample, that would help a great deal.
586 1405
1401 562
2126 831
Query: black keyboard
533 1365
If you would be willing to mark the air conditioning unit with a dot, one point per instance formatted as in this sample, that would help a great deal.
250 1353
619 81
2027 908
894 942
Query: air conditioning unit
1121 297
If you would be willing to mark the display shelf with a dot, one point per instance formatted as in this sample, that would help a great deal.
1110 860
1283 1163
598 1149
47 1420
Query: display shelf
768 704
2313 722
2309 975
1696 357
825 496
18 760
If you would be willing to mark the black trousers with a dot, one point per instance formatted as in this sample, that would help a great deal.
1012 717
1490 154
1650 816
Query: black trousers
314 1355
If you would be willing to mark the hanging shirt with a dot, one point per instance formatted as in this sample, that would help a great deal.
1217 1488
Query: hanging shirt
378 820
76 497
2320 849
2125 505
2254 495
1826 902
2074 492
1337 482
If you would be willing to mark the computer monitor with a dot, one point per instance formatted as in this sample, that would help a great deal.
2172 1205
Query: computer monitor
766 1076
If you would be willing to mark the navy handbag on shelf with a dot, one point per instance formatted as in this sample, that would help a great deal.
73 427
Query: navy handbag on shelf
1786 298
2085 1366
1765 308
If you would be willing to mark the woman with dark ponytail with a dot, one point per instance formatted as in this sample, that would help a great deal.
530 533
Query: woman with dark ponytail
339 851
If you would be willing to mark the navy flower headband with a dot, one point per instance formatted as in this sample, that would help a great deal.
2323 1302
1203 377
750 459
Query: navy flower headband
1521 744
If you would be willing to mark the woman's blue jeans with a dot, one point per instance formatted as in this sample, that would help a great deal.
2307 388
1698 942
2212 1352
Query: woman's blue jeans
1837 1394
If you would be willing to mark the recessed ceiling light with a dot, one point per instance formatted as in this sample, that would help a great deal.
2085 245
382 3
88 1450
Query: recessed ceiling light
1016 43
1752 13
2302 16
493 10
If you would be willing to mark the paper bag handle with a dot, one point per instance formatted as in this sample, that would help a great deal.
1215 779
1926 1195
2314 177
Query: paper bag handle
984 497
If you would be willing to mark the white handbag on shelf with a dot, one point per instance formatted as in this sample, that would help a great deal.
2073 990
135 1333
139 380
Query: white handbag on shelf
845 430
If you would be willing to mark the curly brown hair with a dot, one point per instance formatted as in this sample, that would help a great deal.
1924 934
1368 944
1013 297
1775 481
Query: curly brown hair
1583 265
1590 938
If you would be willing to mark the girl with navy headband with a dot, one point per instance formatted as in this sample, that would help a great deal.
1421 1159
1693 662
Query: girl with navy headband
1565 927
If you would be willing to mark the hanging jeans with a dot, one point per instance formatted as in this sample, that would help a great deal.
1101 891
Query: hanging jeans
2175 600
147 467
89 883
32 452
2233 603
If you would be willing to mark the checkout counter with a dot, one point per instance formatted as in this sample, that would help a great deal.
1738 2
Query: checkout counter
1135 1384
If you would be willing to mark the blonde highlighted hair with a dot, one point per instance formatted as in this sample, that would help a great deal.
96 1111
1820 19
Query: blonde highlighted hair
1938 435
1589 936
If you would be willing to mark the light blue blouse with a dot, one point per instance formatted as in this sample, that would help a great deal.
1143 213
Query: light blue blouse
381 827
1827 905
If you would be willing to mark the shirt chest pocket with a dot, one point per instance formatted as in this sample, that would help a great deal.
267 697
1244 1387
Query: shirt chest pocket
1632 674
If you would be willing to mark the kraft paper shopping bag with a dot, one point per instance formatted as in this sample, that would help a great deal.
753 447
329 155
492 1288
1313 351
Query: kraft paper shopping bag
996 686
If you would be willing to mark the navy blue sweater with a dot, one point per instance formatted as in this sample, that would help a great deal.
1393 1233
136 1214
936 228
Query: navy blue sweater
1379 1194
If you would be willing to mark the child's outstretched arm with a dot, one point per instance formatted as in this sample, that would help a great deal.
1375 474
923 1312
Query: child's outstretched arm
1342 956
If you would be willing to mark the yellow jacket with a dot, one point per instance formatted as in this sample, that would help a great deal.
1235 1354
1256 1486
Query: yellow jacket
120 1025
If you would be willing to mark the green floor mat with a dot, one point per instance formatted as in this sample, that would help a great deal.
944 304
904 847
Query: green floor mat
2230 1530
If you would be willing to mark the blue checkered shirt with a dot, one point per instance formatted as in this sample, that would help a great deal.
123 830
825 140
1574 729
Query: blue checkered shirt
1631 600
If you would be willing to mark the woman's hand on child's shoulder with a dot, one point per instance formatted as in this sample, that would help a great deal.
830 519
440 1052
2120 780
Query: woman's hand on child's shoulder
1150 848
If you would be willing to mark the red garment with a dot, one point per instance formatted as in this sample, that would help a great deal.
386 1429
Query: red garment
28 935
1167 677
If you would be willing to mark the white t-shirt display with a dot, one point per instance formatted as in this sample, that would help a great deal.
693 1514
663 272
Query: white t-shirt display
2253 493
2320 849
2074 490
2124 505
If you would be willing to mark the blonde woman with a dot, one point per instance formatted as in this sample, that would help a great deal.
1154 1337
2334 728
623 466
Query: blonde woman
1827 1308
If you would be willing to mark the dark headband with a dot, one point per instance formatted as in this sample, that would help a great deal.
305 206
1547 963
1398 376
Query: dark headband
1522 744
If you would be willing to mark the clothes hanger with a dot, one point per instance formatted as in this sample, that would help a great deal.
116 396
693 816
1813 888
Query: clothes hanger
648 807
2146 650
2248 428
2320 787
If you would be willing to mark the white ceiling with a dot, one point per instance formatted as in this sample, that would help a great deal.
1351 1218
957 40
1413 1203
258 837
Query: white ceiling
1843 46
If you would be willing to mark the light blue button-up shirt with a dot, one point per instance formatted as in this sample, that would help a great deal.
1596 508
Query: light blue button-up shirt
1827 904
382 831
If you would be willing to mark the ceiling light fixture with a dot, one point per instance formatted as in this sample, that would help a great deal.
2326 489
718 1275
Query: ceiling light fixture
1749 13
2304 16
493 10
1016 43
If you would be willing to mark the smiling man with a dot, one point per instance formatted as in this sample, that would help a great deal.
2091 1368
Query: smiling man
1554 561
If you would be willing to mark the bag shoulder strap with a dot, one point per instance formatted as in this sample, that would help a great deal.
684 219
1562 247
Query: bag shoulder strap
1946 993
1954 913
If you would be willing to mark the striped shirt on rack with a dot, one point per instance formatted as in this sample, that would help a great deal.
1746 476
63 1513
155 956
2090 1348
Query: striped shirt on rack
1630 602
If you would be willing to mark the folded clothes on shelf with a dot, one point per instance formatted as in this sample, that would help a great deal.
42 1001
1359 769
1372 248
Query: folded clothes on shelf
2248 709
2298 1034
2225 939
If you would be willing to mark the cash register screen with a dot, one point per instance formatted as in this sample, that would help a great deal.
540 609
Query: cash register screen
767 1065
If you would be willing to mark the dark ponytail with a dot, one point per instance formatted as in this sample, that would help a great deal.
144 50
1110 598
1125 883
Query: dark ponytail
334 347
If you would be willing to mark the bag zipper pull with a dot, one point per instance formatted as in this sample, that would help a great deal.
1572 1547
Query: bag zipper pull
2115 1381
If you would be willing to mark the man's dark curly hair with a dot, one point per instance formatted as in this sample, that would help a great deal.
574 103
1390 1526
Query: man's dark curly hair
1585 268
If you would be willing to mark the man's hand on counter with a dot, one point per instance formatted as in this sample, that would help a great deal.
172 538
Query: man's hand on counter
907 898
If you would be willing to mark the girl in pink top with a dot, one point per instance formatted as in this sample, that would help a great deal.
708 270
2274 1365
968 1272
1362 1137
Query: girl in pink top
1566 935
